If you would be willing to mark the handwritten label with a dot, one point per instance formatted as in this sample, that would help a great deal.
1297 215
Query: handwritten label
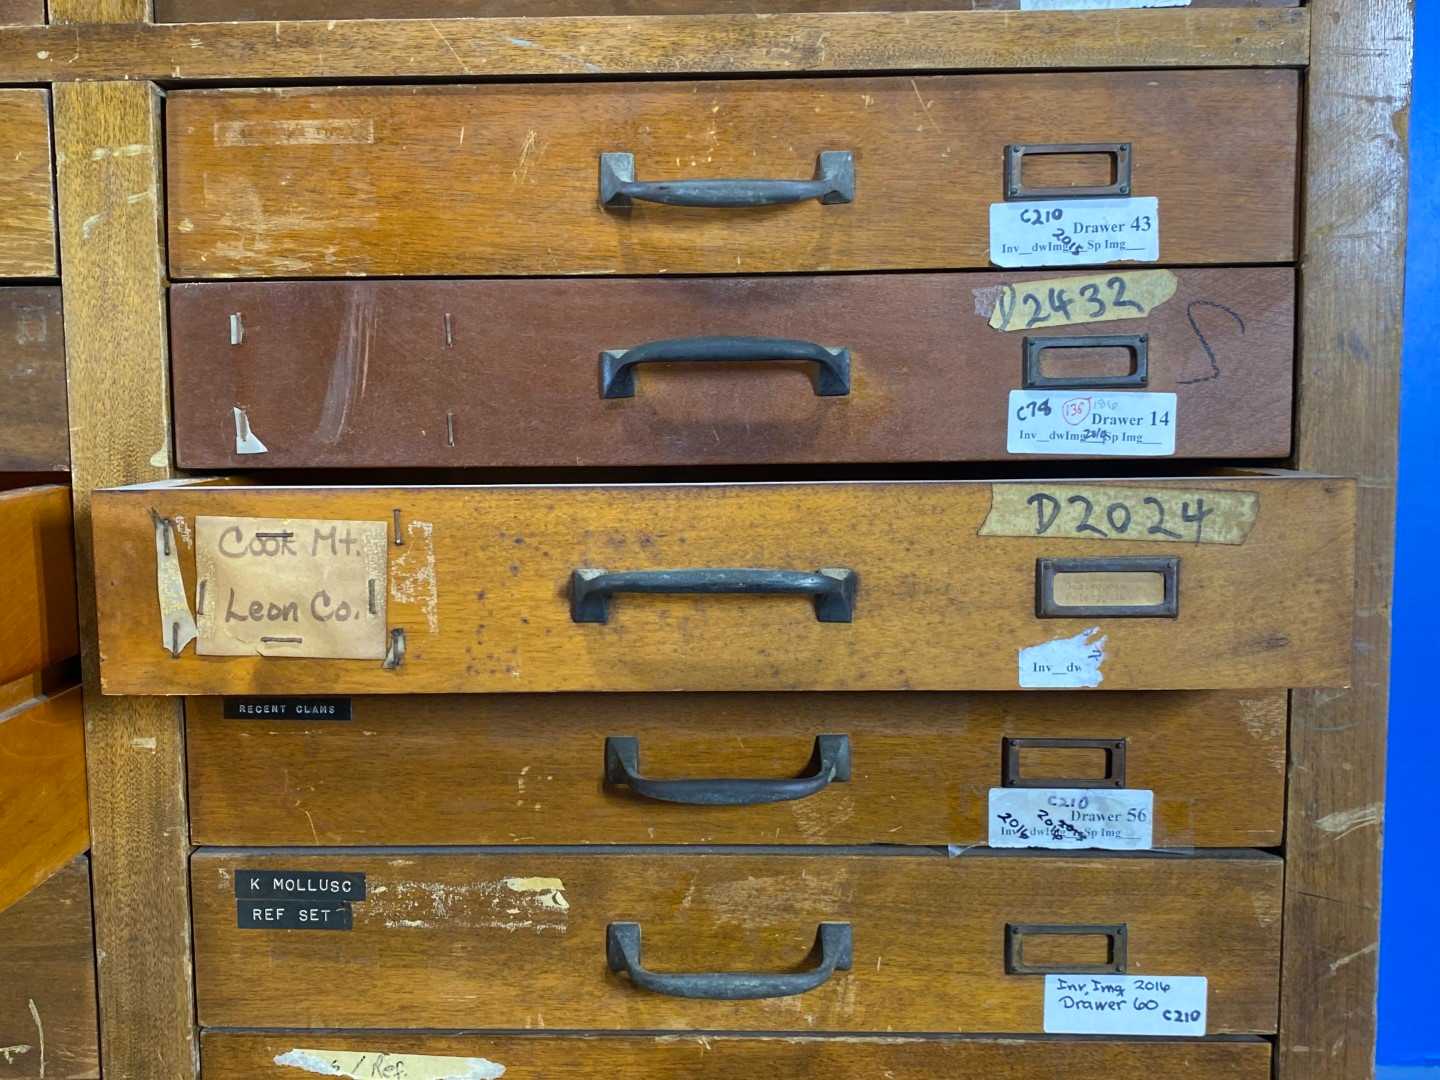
1071 663
1072 819
1114 424
291 587
1074 232
1125 1005
1077 301
1159 515
366 1064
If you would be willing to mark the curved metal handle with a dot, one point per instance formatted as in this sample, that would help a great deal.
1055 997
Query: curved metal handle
834 182
830 761
617 374
832 940
833 589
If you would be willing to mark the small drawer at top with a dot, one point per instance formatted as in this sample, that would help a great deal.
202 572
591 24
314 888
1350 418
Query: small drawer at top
742 370
714 177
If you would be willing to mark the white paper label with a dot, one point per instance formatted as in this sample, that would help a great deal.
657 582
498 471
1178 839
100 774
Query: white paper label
1074 232
1125 1005
1119 423
1072 819
1065 663
1097 5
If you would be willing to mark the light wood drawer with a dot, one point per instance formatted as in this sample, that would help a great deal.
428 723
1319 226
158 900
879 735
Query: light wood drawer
37 580
504 589
504 179
242 1056
511 939
34 421
49 1023
898 367
27 184
533 769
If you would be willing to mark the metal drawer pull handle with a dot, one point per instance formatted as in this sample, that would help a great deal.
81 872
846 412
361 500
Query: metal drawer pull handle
617 366
833 590
834 182
829 762
1125 587
1138 346
832 940
1116 935
1113 749
1015 156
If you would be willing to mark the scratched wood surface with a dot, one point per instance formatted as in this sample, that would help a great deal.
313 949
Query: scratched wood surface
34 426
530 769
48 1020
243 1056
37 579
398 180
507 939
114 293
1353 286
619 45
21 12
481 585
43 813
27 185
447 383
238 10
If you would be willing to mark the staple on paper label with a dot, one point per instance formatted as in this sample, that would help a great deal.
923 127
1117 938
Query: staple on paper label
1165 515
246 441
1173 1005
177 625
1113 423
1074 232
1075 301
369 1063
1072 819
1065 663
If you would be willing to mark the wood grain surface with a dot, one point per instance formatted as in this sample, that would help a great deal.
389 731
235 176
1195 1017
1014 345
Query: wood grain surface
48 1020
37 580
43 813
114 292
34 424
530 769
481 588
243 1056
385 374
436 943
27 185
100 11
329 182
1358 112
22 12
644 44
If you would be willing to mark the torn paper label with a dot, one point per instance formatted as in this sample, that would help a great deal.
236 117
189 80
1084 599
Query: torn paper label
1113 424
245 440
1074 232
177 625
291 587
1065 663
1125 1005
369 1063
1072 819
1075 301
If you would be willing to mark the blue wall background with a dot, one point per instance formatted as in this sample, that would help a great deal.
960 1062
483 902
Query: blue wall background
1409 936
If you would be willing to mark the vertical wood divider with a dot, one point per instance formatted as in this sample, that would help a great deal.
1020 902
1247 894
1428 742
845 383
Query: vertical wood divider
109 170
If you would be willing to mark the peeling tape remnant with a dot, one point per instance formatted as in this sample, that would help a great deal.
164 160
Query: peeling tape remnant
368 1063
246 441
177 625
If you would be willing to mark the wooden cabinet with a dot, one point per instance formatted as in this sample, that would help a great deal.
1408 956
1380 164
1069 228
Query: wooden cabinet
512 938
429 373
870 586
507 179
546 769
37 580
27 183
34 423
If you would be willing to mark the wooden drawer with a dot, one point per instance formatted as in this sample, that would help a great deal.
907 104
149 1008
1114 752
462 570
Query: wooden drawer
485 591
469 770
27 186
507 938
422 373
37 580
503 179
49 1023
242 1056
34 423
22 12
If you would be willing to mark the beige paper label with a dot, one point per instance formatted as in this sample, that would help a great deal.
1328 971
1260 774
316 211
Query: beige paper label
1159 515
367 1063
291 587
1078 301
